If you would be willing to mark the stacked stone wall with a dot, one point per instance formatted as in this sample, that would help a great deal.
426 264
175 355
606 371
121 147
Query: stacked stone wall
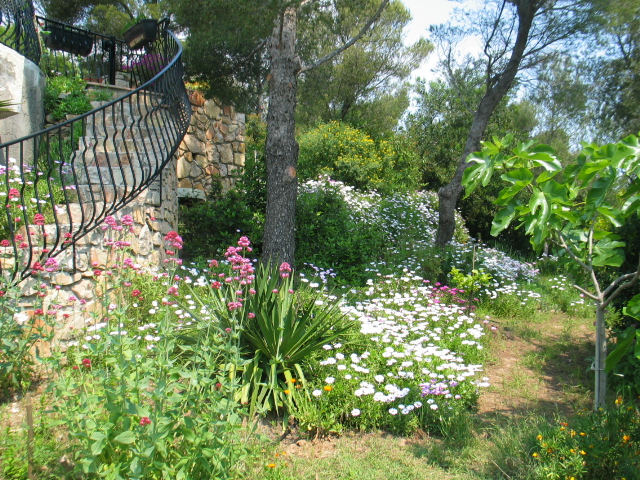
213 149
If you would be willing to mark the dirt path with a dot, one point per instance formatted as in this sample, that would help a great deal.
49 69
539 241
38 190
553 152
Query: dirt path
541 368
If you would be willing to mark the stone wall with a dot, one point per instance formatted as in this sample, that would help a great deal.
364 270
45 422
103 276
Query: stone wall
22 83
213 149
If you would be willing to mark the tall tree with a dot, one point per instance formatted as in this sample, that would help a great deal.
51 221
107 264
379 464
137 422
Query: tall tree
366 86
516 35
560 95
104 16
264 35
617 73
439 127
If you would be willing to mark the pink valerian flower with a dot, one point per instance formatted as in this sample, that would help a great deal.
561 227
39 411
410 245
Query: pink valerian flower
14 194
38 219
51 265
244 242
37 267
174 240
5 243
127 220
86 362
136 293
251 315
23 245
145 421
173 291
234 306
216 285
285 270
213 263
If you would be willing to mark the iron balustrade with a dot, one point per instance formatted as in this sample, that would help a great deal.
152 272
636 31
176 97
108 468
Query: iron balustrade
61 183
17 29
73 51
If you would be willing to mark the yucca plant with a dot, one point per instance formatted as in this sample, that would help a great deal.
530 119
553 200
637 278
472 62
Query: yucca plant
279 329
284 329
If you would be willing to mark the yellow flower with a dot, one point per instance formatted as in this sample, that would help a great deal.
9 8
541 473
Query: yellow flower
626 438
582 452
272 465
328 388
539 437
293 380
534 455
582 434
287 392
619 401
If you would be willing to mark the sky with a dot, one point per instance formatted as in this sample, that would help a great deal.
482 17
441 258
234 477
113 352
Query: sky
426 13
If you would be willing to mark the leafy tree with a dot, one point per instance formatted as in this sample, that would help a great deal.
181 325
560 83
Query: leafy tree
439 127
617 73
515 35
366 86
560 95
575 211
254 37
104 16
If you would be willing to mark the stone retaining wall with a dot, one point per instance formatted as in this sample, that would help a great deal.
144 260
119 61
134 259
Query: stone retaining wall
213 149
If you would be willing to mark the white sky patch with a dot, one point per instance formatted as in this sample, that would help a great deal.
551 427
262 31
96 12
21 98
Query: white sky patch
432 12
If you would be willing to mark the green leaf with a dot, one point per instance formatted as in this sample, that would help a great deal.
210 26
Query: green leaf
519 176
126 438
624 342
503 218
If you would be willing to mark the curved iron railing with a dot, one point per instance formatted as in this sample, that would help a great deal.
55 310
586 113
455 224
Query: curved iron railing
59 184
17 30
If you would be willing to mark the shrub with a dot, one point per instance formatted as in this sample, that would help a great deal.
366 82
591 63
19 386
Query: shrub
280 331
330 232
592 446
65 96
353 157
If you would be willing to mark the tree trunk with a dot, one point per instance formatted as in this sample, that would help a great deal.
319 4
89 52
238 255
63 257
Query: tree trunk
498 84
601 355
281 147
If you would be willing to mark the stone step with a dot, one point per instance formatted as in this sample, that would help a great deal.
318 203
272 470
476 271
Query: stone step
130 145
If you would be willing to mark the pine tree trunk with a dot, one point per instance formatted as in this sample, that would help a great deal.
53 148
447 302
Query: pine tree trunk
281 147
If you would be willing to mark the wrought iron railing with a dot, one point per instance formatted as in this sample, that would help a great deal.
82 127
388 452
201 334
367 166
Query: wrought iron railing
73 51
59 184
17 29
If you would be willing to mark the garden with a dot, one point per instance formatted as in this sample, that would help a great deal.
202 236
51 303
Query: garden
374 356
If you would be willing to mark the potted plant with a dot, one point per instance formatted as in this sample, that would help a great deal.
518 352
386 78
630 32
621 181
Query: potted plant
68 39
141 34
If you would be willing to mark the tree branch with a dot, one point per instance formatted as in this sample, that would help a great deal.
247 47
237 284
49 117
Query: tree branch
353 40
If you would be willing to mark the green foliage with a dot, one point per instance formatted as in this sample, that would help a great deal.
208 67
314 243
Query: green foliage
329 234
20 334
438 130
351 156
591 446
129 412
624 360
575 211
471 283
208 227
366 86
280 332
65 96
14 445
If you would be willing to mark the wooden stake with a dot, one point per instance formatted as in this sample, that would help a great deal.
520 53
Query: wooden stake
30 437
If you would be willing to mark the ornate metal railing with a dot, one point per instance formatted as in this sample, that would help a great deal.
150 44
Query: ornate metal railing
17 29
59 184
73 51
